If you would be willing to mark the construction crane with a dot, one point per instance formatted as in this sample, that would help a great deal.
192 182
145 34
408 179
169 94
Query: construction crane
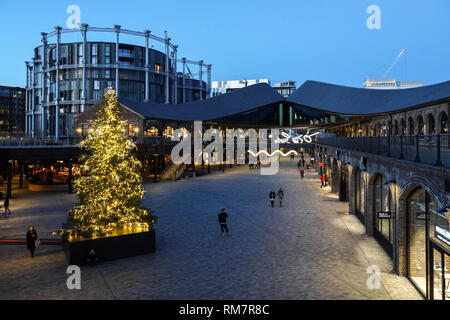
394 62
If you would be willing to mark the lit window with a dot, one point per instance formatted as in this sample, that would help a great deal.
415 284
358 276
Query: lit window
157 68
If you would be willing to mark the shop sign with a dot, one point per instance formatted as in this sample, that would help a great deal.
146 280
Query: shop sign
384 215
442 234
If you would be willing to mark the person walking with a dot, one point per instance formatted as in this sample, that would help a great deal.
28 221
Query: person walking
272 197
281 196
299 164
302 173
6 205
31 240
223 222
322 179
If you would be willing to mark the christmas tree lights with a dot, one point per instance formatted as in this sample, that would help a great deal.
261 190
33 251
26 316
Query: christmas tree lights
110 190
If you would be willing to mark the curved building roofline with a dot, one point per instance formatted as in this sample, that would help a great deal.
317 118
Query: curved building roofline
319 96
345 100
221 106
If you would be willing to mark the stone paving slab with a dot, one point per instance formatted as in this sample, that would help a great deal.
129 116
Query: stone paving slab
307 249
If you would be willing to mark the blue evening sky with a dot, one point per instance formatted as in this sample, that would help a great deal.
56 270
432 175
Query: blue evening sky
324 40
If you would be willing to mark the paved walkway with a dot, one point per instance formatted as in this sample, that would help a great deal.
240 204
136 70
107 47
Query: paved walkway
308 249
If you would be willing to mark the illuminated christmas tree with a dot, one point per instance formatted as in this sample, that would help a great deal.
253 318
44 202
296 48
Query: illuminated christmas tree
110 190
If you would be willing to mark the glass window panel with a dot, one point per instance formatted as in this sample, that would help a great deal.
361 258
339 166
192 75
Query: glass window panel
417 239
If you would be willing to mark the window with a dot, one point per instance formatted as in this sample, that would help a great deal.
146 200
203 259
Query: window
94 59
97 95
157 68
94 49
107 50
96 85
107 74
125 63
107 60
420 205
94 73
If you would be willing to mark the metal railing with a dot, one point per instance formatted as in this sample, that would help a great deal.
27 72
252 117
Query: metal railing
429 149
73 141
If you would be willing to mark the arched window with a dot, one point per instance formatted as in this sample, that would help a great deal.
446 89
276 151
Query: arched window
168 132
444 123
420 205
359 192
420 125
430 124
151 132
383 202
411 126
403 126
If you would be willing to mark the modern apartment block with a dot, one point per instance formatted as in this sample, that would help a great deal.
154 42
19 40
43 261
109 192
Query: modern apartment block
286 88
63 79
379 83
12 111
221 87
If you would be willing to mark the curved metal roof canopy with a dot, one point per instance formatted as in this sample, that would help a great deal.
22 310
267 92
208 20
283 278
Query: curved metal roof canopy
221 106
359 101
322 99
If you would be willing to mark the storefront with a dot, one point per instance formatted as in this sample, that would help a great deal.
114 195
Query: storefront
384 213
428 245
360 188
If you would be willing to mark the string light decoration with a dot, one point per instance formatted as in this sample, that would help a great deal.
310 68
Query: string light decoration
110 191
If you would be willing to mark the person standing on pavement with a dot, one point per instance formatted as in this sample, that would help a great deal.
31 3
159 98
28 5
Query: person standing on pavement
322 179
272 197
281 196
6 205
299 164
223 222
302 173
31 240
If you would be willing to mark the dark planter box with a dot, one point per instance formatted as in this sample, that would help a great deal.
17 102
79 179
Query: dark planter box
110 248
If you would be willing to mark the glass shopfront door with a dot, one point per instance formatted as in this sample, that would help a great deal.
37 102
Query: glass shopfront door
440 273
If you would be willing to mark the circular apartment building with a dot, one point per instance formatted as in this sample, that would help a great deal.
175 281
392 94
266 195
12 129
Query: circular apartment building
64 78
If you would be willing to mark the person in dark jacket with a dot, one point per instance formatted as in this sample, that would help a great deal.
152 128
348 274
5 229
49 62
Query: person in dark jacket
272 197
6 205
302 173
280 196
31 240
223 222
92 257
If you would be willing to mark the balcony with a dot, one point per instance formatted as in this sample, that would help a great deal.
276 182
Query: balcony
428 149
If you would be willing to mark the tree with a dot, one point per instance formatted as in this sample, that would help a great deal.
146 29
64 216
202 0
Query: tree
110 190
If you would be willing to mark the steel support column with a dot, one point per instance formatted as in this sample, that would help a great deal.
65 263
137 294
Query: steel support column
184 79
209 80
166 68
58 43
147 66
117 27
175 78
44 99
84 28
200 77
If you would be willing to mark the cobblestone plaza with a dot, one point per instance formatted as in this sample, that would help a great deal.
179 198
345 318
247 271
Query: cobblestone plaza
310 248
